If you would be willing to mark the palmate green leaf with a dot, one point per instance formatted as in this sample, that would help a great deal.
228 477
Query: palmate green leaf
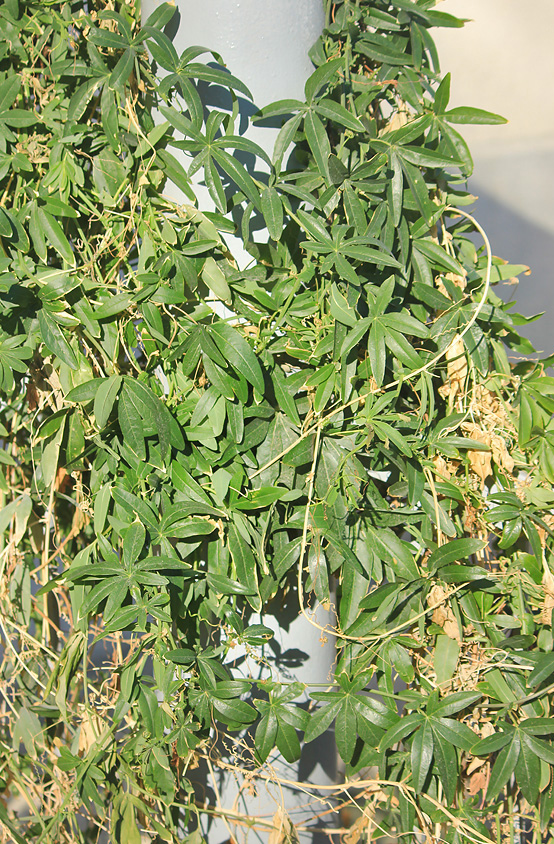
115 586
113 607
9 89
396 187
54 339
104 399
320 78
321 720
175 172
315 226
261 498
155 414
234 711
381 51
464 574
466 114
386 432
13 231
215 280
378 715
319 248
538 726
286 557
400 660
337 171
133 543
133 506
113 306
81 98
107 38
149 708
446 761
375 618
12 359
318 142
377 351
287 742
431 296
266 733
123 69
243 144
543 670
284 139
354 208
283 396
238 352
528 773
162 49
84 392
277 108
504 767
182 124
456 549
161 16
457 144
420 191
160 772
222 585
318 574
442 95
369 256
542 749
5 226
245 565
131 425
240 176
215 76
186 529
423 746
228 689
181 510
272 209
338 114
438 256
394 551
345 729
342 547
423 157
221 380
403 728
405 324
19 118
454 732
402 349
340 309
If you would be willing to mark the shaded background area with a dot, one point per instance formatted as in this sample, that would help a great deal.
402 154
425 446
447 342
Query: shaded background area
503 61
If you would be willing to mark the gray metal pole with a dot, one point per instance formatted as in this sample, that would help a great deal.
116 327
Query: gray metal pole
265 43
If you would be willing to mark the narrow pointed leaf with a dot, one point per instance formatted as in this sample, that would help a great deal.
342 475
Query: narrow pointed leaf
236 349
422 754
503 768
54 339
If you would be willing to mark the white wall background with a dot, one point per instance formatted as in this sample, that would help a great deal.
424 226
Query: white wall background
503 61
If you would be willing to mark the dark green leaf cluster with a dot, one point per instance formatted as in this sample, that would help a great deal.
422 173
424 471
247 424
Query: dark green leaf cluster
195 451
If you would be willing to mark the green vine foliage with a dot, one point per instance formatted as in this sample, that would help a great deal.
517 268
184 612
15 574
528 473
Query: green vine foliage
189 448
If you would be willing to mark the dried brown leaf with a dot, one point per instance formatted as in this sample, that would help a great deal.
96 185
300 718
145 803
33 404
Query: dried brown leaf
284 831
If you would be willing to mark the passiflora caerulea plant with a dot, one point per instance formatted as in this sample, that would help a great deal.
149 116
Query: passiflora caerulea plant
189 447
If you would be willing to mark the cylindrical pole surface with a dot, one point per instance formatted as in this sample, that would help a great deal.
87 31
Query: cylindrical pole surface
265 43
